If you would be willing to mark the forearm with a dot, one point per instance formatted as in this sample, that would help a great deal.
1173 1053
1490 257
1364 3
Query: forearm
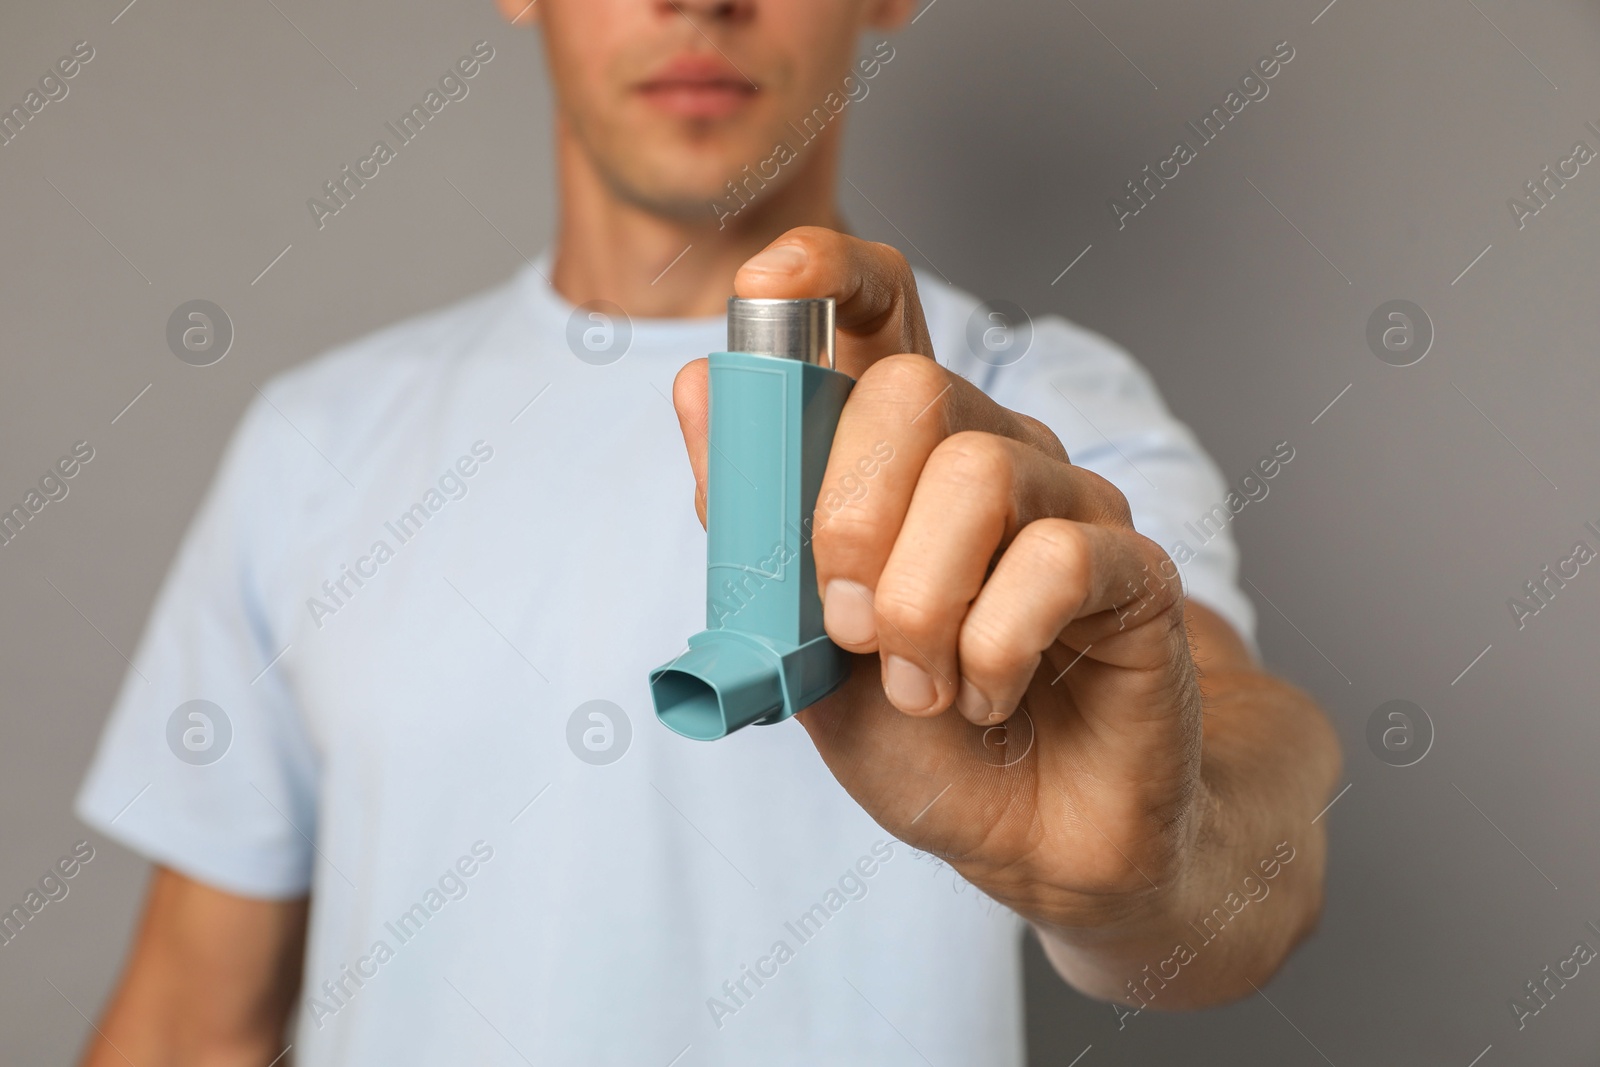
150 1023
1247 884
211 981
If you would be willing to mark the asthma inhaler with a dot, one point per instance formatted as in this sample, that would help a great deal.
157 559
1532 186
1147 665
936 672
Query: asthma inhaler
775 402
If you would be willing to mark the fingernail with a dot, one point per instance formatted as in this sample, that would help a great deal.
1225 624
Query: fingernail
973 704
909 687
779 259
847 612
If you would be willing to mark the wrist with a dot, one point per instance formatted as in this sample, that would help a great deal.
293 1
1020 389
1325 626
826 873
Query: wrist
1102 943
1214 938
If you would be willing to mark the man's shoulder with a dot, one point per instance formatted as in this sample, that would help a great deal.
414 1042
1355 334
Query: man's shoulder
364 371
1003 347
340 400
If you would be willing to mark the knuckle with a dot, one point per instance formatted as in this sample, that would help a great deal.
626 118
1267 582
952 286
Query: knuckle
974 460
913 612
987 650
895 259
1043 438
1062 548
1109 500
840 539
912 380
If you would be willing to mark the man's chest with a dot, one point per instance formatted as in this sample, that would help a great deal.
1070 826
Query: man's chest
494 602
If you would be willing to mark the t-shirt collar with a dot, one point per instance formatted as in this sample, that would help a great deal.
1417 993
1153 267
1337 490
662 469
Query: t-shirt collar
554 311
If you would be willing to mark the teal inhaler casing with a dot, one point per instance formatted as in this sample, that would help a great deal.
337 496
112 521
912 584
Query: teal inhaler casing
775 402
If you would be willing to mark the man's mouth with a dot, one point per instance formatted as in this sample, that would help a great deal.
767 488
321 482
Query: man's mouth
702 87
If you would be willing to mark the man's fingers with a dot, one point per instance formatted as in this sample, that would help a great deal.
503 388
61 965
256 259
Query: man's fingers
938 564
977 491
897 414
691 391
928 479
874 290
1058 574
904 542
900 411
877 313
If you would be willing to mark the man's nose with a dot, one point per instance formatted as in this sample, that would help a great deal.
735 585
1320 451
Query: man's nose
726 11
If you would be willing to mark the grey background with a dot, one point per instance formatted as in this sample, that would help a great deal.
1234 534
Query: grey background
991 143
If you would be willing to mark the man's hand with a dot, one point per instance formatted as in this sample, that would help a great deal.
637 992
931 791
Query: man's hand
1025 701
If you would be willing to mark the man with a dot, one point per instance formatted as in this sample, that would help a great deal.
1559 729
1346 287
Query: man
429 555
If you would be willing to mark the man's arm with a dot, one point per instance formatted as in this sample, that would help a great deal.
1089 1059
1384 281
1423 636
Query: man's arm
1269 758
211 981
1032 699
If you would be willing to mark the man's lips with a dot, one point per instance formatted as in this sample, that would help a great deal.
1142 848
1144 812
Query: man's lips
697 87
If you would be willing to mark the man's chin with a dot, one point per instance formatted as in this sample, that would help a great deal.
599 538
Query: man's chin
689 198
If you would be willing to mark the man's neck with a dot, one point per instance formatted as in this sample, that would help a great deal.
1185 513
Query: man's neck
653 266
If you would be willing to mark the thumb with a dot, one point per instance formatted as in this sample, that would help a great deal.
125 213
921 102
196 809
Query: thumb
690 394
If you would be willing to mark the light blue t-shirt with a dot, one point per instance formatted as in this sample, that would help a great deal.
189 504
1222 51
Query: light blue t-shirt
420 604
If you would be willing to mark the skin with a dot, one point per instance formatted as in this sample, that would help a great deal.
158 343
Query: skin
210 981
1032 698
1156 765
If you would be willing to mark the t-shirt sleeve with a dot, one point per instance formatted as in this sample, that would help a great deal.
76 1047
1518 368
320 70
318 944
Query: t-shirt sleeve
1107 411
205 765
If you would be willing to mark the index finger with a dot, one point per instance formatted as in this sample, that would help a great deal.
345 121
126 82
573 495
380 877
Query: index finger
876 307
